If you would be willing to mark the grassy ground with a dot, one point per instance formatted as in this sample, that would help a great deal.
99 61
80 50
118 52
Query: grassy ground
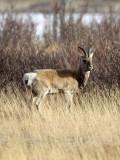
90 131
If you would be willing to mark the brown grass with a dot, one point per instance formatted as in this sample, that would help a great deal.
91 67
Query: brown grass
90 131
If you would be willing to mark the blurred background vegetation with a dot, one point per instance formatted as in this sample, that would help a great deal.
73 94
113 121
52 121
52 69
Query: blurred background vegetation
46 5
60 40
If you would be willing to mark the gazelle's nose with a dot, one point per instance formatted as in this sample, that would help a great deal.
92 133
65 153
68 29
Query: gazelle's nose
90 67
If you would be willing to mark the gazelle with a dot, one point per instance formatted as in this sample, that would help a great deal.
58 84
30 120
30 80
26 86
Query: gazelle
48 81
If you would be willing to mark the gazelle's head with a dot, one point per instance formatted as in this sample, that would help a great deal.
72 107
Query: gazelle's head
85 59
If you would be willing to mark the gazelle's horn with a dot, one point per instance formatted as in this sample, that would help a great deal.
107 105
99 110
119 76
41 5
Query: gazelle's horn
89 50
83 50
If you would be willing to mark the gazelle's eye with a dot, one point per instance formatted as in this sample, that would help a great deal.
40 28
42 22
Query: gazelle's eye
84 61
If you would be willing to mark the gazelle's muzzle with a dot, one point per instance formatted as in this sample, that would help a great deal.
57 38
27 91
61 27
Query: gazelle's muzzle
90 68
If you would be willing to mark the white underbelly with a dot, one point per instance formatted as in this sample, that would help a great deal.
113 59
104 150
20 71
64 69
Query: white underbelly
55 91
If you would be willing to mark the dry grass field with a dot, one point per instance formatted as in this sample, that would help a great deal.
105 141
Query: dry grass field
90 131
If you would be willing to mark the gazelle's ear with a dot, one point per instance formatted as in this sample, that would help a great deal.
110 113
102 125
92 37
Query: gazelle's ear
91 51
80 55
91 54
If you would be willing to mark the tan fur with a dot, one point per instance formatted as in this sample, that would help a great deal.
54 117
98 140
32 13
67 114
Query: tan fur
57 79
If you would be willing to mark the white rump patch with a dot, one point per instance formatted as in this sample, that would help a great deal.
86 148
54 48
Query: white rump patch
29 77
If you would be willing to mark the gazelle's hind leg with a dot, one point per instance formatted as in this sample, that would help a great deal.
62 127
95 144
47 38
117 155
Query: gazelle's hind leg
39 100
31 102
39 90
68 100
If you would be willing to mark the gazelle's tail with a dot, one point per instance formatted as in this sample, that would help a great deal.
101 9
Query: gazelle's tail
28 78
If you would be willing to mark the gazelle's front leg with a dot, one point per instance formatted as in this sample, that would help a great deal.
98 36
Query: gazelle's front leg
68 99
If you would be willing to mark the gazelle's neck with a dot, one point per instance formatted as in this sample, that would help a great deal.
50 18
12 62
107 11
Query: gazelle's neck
82 77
